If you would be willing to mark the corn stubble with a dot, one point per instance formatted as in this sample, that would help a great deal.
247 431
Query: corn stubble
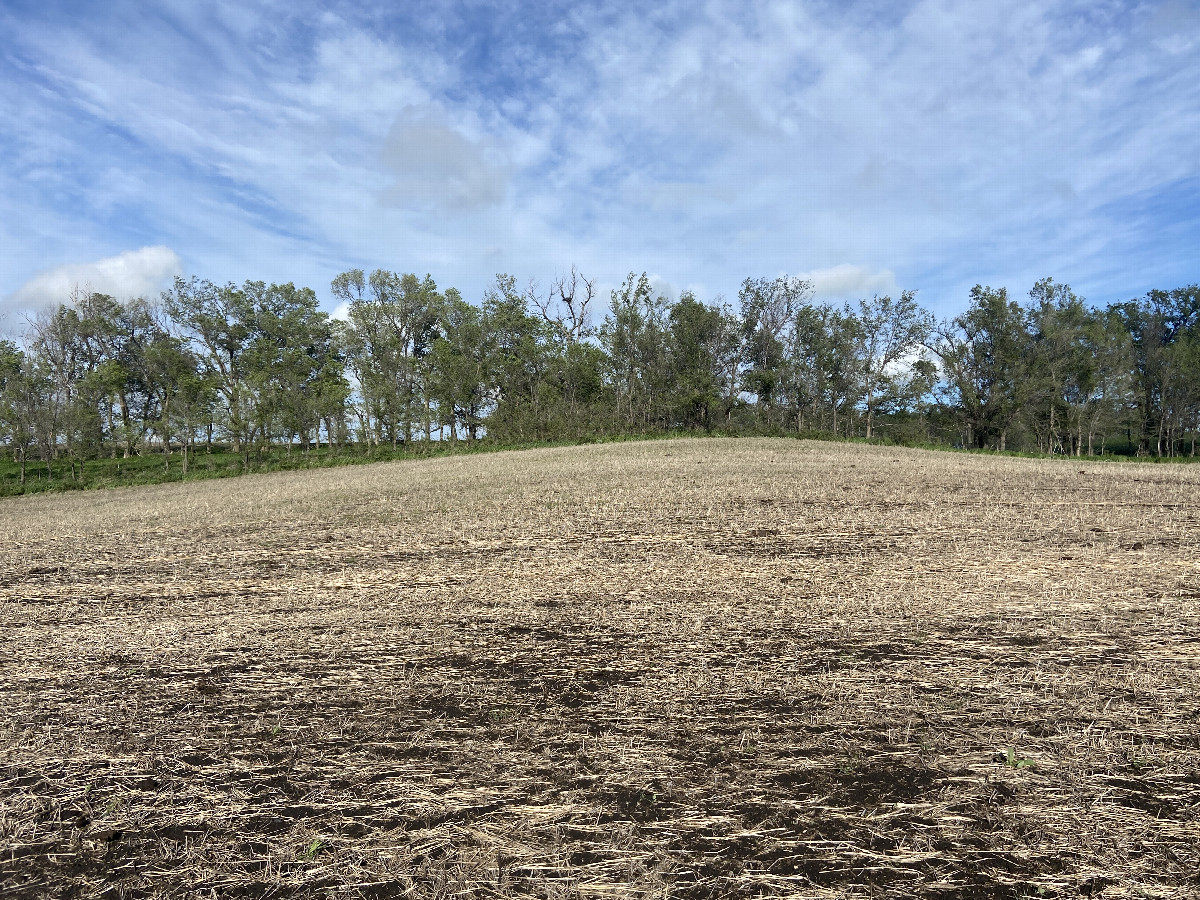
697 668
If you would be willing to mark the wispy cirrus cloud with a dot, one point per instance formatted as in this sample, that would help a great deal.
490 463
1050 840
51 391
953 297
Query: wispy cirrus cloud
927 144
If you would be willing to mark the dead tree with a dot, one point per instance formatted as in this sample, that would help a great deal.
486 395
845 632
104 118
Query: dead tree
566 304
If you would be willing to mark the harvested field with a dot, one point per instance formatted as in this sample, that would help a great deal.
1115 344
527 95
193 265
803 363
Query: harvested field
696 668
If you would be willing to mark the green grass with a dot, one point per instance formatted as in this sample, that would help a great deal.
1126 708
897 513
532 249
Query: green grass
148 468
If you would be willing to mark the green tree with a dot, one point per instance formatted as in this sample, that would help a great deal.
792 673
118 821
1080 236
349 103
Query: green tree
459 367
71 421
183 396
1107 393
1062 369
392 328
1154 324
293 366
983 355
892 335
220 323
821 377
701 340
1181 370
769 307
575 363
518 363
25 390
634 338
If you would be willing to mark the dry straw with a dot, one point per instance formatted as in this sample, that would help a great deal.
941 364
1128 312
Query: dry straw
698 668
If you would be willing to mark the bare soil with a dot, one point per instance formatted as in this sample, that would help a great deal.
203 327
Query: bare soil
695 668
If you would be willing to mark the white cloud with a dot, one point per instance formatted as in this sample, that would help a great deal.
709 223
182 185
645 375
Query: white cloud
947 141
134 273
850 282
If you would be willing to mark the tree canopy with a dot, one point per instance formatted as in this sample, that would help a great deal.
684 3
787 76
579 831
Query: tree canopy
260 366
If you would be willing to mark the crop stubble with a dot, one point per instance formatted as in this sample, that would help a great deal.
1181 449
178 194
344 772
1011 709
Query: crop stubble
696 668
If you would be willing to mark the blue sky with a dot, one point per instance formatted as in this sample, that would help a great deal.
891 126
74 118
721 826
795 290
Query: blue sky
872 146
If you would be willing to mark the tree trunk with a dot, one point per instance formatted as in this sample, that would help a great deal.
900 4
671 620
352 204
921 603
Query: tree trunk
128 450
364 432
166 434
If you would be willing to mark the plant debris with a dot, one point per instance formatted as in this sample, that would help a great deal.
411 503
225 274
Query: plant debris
697 668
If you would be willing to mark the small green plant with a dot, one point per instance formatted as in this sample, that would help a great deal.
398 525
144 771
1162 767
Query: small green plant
313 849
855 763
500 714
1014 762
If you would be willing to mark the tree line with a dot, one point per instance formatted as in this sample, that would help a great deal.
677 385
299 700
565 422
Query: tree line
253 367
